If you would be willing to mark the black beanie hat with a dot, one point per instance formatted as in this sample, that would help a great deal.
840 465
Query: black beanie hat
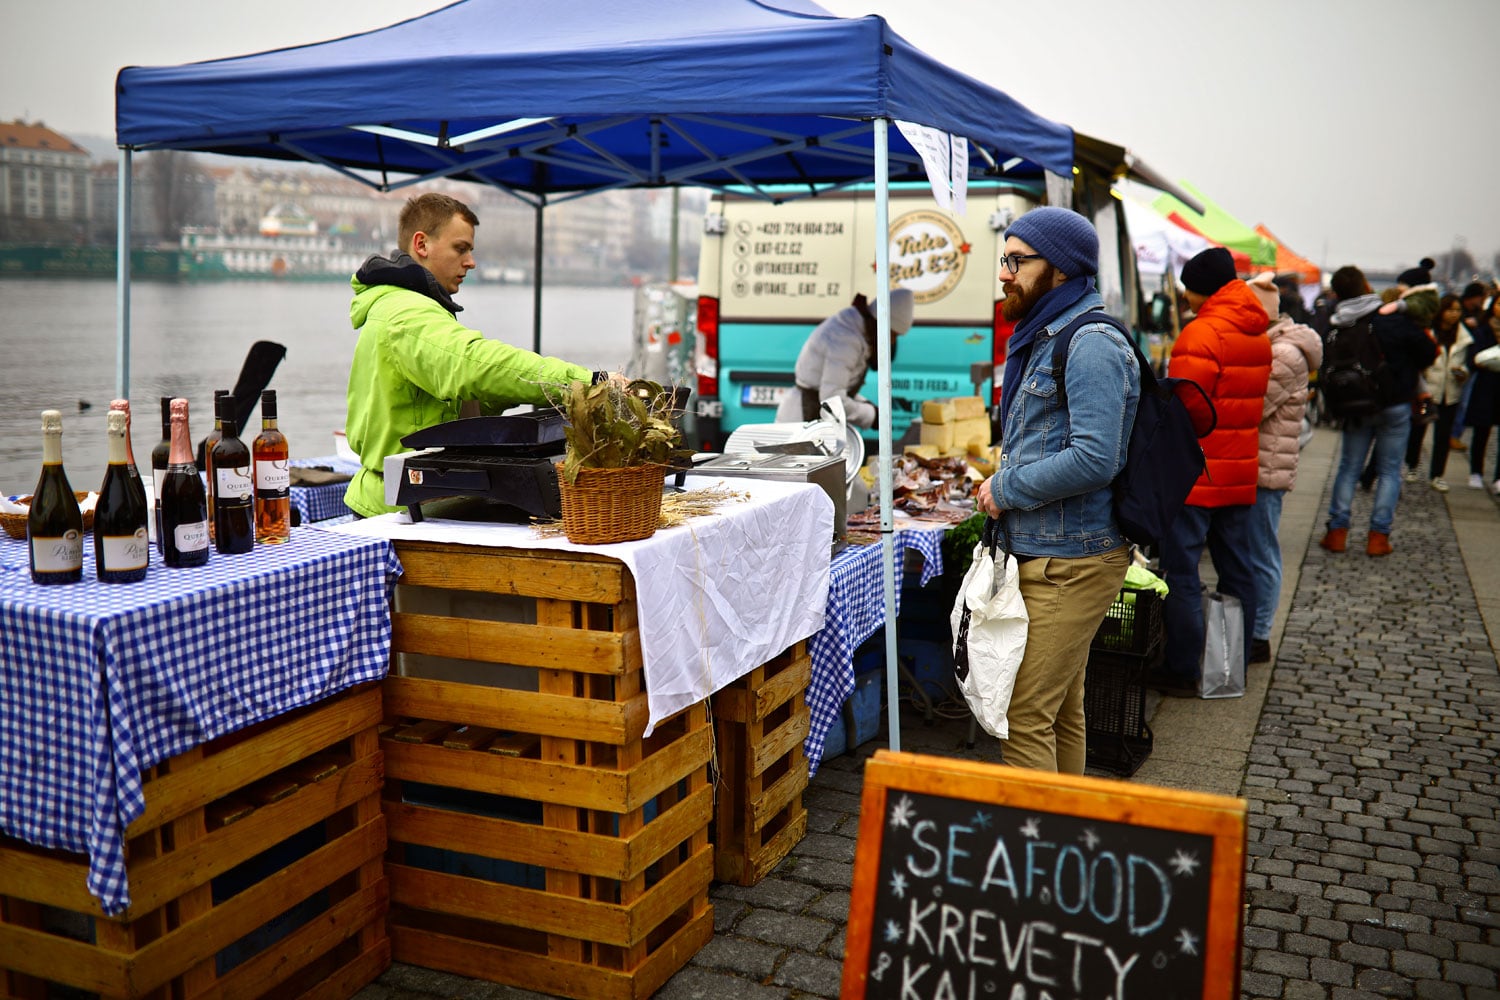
1414 276
1473 290
1208 272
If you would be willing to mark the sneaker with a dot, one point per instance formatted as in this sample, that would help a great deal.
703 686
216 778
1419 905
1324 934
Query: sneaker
1495 488
1440 485
1410 475
1476 481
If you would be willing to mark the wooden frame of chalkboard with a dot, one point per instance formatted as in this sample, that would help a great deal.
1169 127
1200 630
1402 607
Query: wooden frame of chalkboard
984 882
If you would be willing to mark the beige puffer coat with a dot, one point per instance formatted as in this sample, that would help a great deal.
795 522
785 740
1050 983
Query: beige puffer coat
1445 379
1296 350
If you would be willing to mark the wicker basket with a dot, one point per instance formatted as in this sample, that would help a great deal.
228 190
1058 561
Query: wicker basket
15 524
611 505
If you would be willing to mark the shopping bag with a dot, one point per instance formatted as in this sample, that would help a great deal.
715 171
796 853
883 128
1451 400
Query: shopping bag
989 632
1223 647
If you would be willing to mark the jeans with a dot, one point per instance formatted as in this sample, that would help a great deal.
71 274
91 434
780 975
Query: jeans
1463 407
1265 559
1227 533
1387 431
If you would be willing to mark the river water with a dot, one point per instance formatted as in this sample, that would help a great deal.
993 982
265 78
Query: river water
57 351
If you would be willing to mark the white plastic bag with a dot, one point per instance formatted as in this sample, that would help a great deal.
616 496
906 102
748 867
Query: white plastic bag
990 642
1223 647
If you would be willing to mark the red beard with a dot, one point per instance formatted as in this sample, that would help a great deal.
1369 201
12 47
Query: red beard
1018 302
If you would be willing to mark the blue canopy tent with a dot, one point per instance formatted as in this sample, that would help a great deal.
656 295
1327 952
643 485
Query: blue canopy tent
558 100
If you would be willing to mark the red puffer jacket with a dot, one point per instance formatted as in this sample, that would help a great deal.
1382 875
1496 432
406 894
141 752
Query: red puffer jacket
1226 351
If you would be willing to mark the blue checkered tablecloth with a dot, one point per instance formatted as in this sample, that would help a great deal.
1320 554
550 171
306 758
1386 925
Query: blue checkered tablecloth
856 608
99 682
319 503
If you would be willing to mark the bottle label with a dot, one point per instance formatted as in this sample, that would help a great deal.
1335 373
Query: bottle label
191 537
126 552
58 555
234 483
273 479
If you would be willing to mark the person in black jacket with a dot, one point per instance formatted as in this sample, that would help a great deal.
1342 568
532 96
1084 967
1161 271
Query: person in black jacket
1400 327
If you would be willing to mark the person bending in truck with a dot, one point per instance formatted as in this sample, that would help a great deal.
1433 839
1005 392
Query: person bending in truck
839 353
415 363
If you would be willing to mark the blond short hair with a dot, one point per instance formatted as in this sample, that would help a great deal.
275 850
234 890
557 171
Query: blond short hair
429 213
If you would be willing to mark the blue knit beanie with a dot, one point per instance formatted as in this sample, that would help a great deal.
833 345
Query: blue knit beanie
1064 237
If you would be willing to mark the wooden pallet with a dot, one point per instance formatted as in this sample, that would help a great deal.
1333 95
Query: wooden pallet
255 870
537 838
760 723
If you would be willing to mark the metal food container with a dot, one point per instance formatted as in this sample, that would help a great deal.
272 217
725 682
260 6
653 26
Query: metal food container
824 471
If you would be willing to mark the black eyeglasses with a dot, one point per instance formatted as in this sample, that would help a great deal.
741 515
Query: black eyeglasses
1012 261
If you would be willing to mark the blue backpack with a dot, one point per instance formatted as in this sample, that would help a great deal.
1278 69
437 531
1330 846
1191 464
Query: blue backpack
1163 458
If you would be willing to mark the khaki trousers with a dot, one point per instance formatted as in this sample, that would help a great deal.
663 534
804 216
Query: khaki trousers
1065 600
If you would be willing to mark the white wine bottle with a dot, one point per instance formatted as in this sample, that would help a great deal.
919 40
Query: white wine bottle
122 550
54 525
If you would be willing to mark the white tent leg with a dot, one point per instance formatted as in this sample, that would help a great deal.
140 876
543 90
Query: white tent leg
883 362
122 281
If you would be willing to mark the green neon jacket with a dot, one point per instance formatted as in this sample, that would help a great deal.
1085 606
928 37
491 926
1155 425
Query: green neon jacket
413 365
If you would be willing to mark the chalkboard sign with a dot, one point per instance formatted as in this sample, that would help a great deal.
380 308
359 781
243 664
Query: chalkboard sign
982 882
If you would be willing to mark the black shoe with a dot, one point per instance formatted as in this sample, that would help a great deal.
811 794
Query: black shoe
1172 687
1260 650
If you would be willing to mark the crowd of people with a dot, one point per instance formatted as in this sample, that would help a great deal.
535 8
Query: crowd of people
1257 352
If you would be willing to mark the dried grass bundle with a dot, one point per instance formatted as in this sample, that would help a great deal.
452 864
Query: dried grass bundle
676 508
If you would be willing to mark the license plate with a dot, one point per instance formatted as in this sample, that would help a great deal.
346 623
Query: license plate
763 395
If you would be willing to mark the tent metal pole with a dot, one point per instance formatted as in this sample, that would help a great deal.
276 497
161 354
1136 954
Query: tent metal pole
122 279
536 278
883 356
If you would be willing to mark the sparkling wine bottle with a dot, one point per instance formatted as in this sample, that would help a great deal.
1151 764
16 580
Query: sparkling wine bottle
122 551
273 480
123 405
234 488
208 455
54 526
159 457
184 506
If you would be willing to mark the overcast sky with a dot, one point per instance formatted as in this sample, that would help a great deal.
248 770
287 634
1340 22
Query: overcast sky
1360 131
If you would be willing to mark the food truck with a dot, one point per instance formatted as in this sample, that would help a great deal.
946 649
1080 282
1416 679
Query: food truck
770 272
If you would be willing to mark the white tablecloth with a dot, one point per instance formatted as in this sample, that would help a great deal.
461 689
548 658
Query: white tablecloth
718 596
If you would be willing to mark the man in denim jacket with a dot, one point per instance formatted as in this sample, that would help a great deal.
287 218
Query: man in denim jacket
1052 488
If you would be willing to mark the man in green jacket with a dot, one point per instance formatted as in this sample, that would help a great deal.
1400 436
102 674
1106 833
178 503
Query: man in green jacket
415 362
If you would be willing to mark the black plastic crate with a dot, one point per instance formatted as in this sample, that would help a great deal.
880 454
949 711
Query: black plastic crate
1133 626
1114 705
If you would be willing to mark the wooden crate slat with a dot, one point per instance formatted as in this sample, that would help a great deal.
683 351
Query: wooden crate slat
203 937
567 576
349 978
594 719
545 975
45 877
780 741
778 690
260 975
171 795
573 785
163 878
783 792
586 651
38 953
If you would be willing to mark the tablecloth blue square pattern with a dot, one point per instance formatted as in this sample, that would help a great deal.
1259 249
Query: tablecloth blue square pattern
856 608
320 503
99 682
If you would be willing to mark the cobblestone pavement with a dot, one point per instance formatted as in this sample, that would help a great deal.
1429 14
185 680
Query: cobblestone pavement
1374 791
1372 785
